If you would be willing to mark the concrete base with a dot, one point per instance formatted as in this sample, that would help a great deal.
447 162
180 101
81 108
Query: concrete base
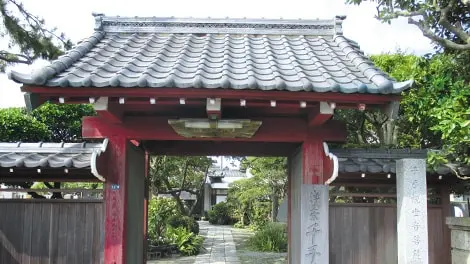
460 239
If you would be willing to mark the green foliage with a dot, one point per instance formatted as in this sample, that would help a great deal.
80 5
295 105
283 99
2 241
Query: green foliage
159 211
434 114
188 243
16 125
47 123
220 214
445 22
271 238
28 34
63 121
256 200
239 224
172 175
187 222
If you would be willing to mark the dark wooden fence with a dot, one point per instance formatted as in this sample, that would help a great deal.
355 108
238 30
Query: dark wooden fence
51 231
71 232
367 234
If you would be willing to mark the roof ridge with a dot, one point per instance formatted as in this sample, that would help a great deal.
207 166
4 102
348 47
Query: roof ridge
118 24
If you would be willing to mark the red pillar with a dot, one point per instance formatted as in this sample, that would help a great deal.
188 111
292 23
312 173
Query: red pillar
124 203
115 202
313 159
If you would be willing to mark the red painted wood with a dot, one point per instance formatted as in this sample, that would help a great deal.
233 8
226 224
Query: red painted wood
317 119
111 116
115 202
209 93
313 156
157 128
225 148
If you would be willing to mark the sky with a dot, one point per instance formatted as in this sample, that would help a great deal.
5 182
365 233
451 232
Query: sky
75 20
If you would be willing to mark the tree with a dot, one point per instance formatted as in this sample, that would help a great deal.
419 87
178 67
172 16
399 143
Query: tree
47 123
63 121
445 22
174 175
271 173
16 125
251 200
434 114
28 36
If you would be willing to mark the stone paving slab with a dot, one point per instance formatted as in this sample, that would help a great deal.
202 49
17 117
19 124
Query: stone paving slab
219 248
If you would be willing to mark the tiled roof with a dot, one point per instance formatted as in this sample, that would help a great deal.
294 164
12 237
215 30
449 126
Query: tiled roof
293 55
218 172
373 160
51 155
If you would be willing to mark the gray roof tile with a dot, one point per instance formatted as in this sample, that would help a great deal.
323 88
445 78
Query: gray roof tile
48 155
294 55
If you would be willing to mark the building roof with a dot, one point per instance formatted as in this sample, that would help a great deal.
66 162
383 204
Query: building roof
226 172
292 55
23 157
373 160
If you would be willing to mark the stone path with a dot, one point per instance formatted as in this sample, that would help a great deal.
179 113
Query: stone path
220 248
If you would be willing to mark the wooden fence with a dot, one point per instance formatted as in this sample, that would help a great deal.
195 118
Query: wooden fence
65 231
367 234
51 231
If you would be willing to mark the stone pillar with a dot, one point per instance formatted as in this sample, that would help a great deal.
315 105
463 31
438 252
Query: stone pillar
412 214
307 209
460 239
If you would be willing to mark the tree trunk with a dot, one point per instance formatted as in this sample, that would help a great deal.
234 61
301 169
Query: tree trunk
274 205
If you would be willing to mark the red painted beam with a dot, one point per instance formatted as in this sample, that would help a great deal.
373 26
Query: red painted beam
206 148
108 110
210 93
157 128
320 114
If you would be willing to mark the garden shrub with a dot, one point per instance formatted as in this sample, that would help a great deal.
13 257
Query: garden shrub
187 222
239 224
272 237
160 210
220 214
187 242
259 215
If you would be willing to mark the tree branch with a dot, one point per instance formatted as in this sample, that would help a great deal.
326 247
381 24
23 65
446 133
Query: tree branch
456 173
15 58
457 30
427 32
35 22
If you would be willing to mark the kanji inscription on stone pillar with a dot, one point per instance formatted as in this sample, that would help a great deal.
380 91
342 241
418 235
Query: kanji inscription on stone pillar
412 211
314 224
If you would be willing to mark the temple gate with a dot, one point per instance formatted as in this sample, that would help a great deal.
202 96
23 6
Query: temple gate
226 87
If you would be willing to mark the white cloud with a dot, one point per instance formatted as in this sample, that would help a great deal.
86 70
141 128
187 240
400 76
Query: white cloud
74 18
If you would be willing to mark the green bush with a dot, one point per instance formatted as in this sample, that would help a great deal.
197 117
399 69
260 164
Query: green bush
160 210
220 214
272 237
187 242
187 222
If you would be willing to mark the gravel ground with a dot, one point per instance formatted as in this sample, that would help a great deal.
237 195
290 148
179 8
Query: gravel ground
240 237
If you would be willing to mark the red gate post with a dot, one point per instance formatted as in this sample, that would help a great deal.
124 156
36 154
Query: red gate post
124 203
308 204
